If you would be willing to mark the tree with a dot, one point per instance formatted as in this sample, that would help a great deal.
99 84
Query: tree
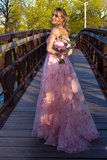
105 23
104 17
95 11
17 15
10 11
38 14
2 30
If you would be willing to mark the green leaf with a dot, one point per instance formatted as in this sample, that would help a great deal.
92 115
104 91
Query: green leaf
62 61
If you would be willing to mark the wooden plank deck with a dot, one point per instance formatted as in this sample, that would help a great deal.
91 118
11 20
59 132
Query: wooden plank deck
16 142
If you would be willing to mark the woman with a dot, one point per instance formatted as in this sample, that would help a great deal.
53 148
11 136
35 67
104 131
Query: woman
62 115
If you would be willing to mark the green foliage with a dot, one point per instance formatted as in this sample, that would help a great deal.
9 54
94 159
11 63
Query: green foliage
105 23
15 16
1 43
95 10
36 14
2 30
11 15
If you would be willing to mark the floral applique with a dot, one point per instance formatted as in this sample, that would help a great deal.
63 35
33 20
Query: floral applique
62 115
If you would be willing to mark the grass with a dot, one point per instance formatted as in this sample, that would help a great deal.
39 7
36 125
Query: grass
1 43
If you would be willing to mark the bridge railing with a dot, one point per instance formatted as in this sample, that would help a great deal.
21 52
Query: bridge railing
21 55
93 43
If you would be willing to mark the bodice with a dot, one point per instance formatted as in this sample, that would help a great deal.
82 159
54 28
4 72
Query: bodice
49 37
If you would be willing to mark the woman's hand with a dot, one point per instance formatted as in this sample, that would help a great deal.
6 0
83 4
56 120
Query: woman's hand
65 55
60 55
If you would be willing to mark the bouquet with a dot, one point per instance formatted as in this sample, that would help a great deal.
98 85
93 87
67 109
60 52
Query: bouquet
62 45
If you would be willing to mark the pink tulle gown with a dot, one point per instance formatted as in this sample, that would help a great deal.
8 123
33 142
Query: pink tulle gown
62 116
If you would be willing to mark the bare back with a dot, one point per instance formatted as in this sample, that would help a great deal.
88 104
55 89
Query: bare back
63 32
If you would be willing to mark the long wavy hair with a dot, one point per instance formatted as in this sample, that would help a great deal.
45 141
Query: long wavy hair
64 16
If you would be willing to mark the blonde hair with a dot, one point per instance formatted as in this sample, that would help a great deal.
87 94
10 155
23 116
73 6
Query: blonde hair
65 21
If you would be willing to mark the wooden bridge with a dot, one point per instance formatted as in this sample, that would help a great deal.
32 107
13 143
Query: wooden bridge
16 142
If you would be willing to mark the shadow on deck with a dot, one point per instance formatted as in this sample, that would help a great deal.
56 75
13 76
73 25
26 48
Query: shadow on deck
16 142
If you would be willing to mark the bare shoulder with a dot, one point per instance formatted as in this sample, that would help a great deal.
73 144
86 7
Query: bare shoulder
55 31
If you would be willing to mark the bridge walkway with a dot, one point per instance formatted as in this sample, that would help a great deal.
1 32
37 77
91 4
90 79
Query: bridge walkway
16 142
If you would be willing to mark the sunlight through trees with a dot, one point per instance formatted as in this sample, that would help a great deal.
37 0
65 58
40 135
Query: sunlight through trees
18 15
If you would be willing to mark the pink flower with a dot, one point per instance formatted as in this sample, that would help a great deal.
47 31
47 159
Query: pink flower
55 46
58 40
63 38
63 47
59 47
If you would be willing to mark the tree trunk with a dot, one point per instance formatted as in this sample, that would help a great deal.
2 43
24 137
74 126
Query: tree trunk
6 28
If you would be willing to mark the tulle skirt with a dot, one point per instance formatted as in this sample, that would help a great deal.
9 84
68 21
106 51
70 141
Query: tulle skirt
62 116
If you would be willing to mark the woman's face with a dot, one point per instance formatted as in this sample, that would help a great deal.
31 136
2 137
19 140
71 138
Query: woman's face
56 18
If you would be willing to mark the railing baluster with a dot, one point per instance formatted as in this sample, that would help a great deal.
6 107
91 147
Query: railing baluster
22 54
94 45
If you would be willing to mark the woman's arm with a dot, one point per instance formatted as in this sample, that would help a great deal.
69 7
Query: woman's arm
70 52
53 36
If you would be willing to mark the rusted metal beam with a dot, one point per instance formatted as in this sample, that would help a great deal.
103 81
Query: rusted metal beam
93 43
8 36
21 57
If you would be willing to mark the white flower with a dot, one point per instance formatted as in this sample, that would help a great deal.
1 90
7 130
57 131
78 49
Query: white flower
68 45
61 44
67 39
56 43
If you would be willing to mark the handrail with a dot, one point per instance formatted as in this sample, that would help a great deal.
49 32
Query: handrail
22 54
93 43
